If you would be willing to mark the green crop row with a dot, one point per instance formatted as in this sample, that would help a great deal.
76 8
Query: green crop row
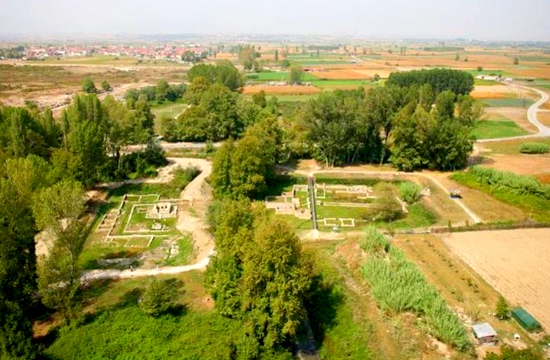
398 285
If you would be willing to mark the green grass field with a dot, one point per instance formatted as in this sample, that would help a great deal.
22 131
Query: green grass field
510 102
277 76
186 252
170 110
481 82
490 129
490 72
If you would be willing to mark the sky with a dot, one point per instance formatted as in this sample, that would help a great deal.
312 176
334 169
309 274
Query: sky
442 19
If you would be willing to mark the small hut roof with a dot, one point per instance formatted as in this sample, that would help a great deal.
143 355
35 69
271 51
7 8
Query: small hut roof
483 330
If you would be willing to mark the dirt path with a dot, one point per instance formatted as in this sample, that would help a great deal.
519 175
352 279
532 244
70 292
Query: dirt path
199 195
543 130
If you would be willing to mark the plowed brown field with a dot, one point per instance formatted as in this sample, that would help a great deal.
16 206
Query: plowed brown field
515 262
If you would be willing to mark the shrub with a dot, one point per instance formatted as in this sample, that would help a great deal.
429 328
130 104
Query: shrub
386 208
410 192
157 298
534 148
88 86
182 177
502 310
105 85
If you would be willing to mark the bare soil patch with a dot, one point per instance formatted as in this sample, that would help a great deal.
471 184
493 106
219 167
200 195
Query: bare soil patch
514 262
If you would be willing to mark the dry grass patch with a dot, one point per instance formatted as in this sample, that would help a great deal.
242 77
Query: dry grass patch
520 164
485 206
544 117
494 92
341 74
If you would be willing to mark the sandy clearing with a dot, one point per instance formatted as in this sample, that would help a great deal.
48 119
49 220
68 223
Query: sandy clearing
514 262
544 117
199 195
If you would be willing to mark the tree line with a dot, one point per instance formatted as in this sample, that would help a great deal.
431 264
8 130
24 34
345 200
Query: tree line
45 164
159 93
258 275
459 82
411 127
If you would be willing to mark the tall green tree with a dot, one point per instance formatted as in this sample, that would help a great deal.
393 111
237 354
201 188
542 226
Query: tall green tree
85 128
17 274
259 274
223 73
88 86
57 211
296 74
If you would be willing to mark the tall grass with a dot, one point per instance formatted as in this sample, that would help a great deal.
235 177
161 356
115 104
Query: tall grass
517 184
398 285
534 148
374 242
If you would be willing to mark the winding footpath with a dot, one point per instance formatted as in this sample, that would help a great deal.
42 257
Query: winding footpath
543 130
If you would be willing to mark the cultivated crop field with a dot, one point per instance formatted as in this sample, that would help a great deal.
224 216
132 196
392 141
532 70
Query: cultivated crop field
514 262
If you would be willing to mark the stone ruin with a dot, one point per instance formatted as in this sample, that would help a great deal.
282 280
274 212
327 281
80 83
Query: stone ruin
162 210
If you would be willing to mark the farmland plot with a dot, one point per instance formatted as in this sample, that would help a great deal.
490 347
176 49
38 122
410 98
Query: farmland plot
514 262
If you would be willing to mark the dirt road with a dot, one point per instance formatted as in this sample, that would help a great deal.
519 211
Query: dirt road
543 130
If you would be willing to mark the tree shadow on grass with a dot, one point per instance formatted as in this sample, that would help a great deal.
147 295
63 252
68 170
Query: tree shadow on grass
322 305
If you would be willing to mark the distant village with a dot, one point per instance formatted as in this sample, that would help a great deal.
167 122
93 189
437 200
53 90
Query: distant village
146 52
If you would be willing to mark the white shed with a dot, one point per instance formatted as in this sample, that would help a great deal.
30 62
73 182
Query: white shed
485 334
